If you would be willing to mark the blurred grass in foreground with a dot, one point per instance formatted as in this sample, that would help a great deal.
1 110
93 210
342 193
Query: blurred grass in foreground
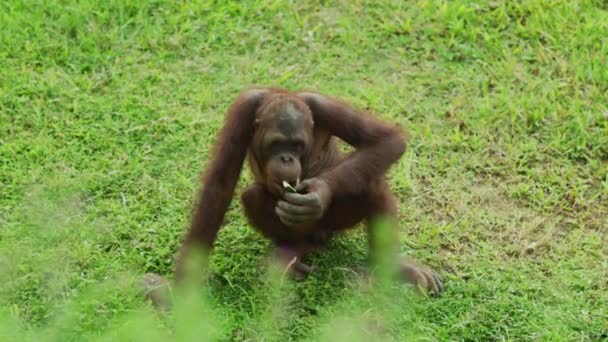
375 307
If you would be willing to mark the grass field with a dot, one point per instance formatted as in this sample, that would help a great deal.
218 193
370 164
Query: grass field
108 111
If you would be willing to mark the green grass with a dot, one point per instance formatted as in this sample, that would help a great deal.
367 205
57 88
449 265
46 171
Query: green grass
108 112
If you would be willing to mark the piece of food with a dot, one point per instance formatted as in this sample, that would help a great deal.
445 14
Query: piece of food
288 187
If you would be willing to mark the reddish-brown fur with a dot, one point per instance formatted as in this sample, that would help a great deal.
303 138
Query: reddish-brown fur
358 187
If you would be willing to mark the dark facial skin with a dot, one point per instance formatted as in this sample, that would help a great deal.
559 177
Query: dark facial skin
283 138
